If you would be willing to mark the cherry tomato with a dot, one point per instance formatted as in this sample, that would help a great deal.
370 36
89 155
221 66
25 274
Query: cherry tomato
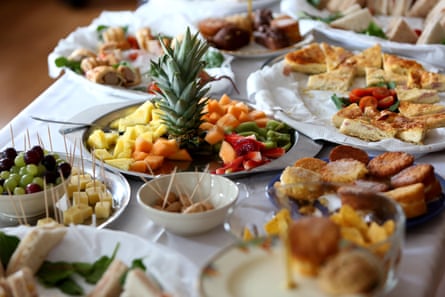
133 56
385 102
418 32
368 101
380 93
361 92
354 98
133 42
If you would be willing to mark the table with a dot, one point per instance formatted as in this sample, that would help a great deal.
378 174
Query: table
421 269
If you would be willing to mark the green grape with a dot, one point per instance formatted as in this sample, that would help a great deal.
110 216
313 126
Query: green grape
26 179
10 184
4 174
1 189
41 170
38 180
15 176
19 160
19 191
23 171
58 180
14 169
32 169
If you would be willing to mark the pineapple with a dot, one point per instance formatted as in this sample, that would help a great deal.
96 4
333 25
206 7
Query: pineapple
182 92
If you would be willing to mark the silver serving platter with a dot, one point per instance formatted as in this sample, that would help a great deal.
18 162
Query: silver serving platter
102 116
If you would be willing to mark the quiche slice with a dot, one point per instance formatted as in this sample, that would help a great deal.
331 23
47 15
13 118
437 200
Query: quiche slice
309 59
410 109
426 80
376 76
416 95
339 80
370 57
399 65
335 55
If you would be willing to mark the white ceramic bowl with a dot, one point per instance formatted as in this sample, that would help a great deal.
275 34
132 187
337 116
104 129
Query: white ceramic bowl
30 205
221 191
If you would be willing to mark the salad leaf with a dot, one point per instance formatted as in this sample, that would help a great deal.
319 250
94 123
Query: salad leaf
340 102
65 62
213 59
8 244
93 274
374 30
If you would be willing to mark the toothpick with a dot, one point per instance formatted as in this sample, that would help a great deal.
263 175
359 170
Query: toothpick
46 198
169 187
29 138
53 199
65 188
50 140
81 158
11 132
15 207
23 212
199 181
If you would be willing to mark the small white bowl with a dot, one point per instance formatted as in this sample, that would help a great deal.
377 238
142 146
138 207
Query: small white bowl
30 205
221 191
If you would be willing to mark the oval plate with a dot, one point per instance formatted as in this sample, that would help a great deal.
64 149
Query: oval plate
302 145
434 207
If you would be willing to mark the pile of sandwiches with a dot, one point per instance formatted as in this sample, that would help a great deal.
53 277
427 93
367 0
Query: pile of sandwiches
18 279
358 14
334 68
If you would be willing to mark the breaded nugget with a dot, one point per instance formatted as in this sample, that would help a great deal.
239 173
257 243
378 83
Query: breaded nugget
433 190
418 173
313 240
389 163
373 185
411 198
313 164
343 171
299 183
348 152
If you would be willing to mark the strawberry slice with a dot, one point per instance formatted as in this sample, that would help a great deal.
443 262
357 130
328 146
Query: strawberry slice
254 155
273 153
245 145
233 138
250 164
235 165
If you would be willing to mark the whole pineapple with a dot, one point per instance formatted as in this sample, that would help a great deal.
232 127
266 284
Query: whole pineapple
182 94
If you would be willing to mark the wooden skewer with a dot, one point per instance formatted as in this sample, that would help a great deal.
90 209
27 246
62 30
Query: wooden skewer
19 220
50 140
169 188
198 183
46 198
11 132
55 209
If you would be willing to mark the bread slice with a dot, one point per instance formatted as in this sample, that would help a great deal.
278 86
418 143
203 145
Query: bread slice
421 8
409 109
352 111
399 7
432 33
399 65
334 55
378 6
370 57
400 31
356 21
339 80
416 95
309 59
345 6
367 130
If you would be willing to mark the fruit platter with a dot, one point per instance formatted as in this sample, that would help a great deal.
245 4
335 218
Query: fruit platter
190 131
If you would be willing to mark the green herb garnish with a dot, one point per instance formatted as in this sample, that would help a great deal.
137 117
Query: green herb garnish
65 62
374 30
8 244
340 102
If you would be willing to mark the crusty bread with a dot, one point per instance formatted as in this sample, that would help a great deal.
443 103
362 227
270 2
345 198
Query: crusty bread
352 111
309 59
138 284
22 283
345 6
399 65
410 109
343 171
339 80
366 130
389 163
334 55
356 21
416 95
400 31
421 8
411 198
370 57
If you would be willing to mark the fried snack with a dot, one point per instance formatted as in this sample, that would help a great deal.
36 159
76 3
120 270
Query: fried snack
418 173
411 198
313 240
348 152
299 183
350 272
389 163
343 171
310 163
106 75
210 26
433 191
230 37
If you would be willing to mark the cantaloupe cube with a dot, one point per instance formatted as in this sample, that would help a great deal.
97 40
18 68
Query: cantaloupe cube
227 153
180 155
164 147
154 162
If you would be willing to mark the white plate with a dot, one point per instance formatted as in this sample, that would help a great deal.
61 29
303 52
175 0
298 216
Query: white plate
255 268
175 273
310 112
116 183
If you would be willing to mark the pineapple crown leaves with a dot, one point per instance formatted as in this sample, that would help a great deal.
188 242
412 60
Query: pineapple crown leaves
181 89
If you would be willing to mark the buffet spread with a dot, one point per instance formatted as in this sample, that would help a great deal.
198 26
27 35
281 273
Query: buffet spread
207 152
